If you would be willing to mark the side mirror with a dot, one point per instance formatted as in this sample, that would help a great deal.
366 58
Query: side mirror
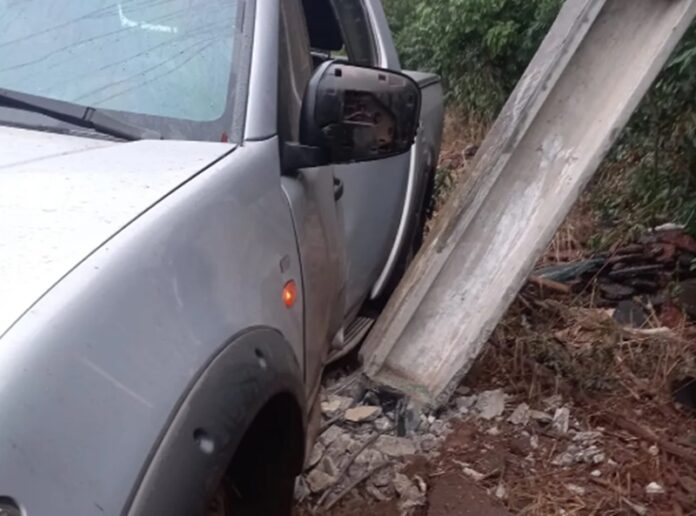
355 113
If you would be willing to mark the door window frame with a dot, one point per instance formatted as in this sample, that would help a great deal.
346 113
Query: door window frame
293 74
351 38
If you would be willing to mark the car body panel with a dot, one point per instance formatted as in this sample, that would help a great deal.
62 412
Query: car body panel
322 250
62 196
256 368
139 266
91 376
373 201
374 191
423 161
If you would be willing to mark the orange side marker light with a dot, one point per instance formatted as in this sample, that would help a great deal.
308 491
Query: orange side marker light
289 294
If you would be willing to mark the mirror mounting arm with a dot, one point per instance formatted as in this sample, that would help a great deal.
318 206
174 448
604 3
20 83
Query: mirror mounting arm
296 156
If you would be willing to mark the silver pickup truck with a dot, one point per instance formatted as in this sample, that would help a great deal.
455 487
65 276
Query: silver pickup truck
202 202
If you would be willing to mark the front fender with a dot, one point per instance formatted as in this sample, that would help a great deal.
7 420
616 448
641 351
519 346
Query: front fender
200 442
93 374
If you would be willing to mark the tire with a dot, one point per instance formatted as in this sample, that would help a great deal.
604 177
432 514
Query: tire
260 481
261 492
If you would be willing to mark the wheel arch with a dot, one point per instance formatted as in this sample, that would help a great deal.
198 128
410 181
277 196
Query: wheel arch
254 376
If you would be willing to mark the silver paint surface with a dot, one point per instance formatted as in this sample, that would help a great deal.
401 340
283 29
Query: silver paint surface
126 267
62 196
91 375
422 162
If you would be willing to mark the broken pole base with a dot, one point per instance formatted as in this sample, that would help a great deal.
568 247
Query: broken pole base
588 77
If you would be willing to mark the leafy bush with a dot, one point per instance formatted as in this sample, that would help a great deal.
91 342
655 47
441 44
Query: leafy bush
655 159
481 48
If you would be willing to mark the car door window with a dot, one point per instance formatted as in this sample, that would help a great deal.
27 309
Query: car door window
334 28
341 28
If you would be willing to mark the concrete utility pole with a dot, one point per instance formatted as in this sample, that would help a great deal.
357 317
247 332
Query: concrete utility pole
588 77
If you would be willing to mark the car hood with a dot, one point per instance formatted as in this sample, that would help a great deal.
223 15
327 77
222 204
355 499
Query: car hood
62 197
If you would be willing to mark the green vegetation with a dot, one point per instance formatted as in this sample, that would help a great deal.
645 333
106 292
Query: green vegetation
653 167
481 48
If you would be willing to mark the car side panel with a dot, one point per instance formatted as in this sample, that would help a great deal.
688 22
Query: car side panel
432 114
373 200
91 377
423 164
321 246
374 193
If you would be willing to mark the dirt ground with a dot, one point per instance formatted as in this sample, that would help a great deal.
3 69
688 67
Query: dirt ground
608 405
600 409
645 438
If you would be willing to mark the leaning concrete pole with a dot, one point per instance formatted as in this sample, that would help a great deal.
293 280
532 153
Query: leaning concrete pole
588 77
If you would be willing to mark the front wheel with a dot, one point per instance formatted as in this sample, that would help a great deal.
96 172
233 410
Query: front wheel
259 492
260 480
221 504
272 497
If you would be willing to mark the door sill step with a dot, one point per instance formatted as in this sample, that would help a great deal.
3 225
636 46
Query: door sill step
355 334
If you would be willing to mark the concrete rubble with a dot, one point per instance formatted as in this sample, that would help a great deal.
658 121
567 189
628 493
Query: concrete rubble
584 448
396 447
653 488
520 416
490 404
362 414
318 481
335 406
500 492
360 438
411 492
369 439
576 489
561 420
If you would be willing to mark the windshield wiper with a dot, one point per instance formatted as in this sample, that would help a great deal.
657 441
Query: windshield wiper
75 114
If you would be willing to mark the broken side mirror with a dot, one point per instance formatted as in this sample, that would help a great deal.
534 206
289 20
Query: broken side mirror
355 113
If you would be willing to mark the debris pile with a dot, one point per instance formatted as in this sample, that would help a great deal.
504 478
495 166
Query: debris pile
662 260
365 448
580 405
366 441
486 437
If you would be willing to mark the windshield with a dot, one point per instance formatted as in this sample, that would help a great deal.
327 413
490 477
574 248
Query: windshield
171 65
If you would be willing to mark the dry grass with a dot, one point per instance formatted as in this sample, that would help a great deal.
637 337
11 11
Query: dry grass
587 349
461 130
609 374
571 240
463 134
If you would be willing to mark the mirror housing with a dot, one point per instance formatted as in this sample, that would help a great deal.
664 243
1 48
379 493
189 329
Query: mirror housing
355 113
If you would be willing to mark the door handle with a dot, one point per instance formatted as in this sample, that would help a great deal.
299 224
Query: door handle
338 188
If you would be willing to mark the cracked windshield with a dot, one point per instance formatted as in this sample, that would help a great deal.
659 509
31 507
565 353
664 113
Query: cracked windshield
164 58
